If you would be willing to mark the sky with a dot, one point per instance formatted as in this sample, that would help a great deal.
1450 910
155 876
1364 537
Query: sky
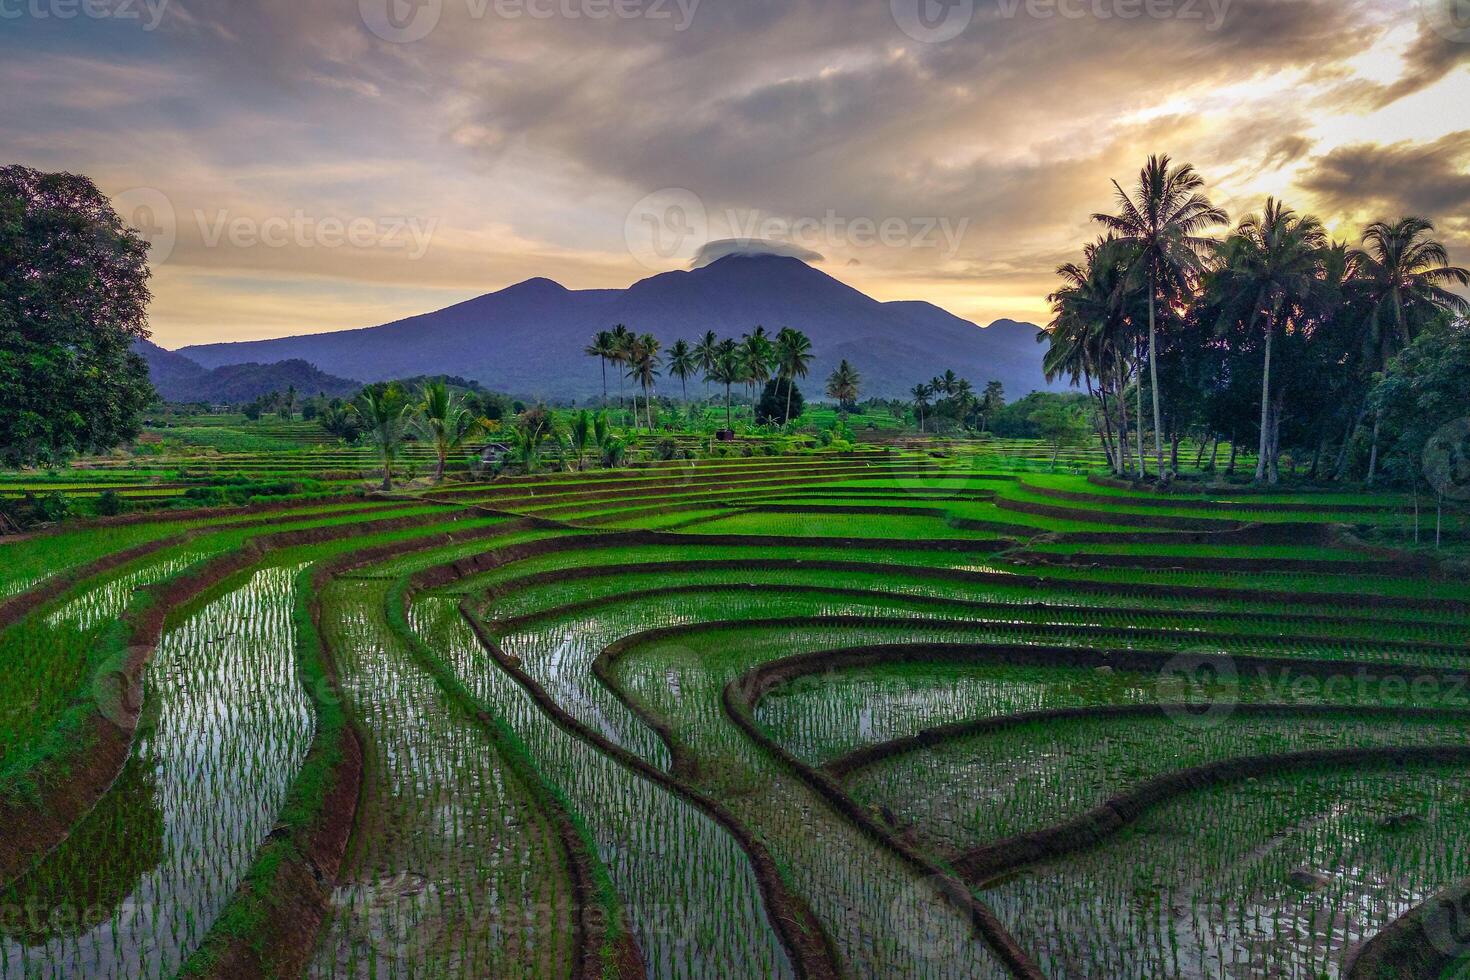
312 165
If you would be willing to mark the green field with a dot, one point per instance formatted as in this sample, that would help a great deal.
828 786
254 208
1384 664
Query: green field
893 707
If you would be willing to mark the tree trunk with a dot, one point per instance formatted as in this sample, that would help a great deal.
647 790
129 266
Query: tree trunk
1199 457
1264 450
1174 453
1215 452
786 419
1277 407
1153 375
1234 449
1138 409
1340 470
729 425
1373 454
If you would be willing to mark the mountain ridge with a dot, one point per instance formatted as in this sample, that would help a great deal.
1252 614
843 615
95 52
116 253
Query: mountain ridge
527 339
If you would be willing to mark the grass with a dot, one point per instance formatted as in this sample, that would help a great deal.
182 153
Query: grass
456 863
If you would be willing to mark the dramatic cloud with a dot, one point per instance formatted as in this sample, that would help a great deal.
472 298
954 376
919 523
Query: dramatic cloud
318 164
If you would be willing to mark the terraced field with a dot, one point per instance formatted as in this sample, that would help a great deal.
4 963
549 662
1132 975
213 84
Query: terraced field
916 710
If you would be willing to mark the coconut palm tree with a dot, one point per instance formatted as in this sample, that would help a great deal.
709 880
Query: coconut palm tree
383 411
1270 269
922 393
603 348
580 434
1163 224
705 353
843 384
793 360
622 342
727 368
1403 274
1089 332
444 422
758 355
643 361
682 364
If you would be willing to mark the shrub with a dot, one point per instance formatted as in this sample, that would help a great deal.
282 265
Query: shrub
110 504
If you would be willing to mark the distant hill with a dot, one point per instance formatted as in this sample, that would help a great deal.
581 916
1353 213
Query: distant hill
181 379
527 339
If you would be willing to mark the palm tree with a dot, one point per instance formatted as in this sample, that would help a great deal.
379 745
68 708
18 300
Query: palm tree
1088 334
622 342
705 353
757 353
643 361
580 435
1271 266
603 347
682 363
1403 276
1163 225
383 412
445 422
793 360
843 384
945 384
727 369
922 393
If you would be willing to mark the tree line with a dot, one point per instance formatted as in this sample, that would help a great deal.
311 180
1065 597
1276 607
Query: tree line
1270 331
766 365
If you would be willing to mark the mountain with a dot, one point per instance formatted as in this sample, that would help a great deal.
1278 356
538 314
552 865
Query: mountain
527 339
181 379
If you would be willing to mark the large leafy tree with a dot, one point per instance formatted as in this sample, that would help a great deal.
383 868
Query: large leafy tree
73 299
1162 221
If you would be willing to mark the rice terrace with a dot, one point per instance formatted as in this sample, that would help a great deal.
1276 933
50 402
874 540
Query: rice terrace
643 490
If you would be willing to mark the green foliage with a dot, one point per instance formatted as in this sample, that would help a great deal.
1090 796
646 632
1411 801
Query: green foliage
73 299
779 393
1424 401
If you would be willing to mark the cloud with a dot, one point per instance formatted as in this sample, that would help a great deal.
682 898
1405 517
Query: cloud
714 251
1430 179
